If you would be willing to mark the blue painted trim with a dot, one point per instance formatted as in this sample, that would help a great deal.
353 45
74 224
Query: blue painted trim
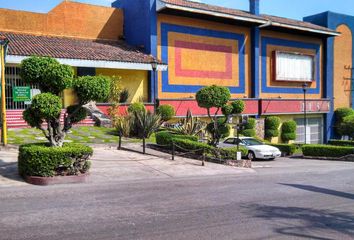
265 41
254 7
255 40
166 28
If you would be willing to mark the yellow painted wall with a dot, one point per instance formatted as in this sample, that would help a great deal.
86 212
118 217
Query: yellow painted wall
342 57
69 19
135 81
271 49
210 59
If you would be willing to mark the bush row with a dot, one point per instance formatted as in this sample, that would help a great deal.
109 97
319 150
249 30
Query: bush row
340 143
165 138
44 161
326 151
287 149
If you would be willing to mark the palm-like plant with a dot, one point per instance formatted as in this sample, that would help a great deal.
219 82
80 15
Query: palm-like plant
122 126
148 123
190 125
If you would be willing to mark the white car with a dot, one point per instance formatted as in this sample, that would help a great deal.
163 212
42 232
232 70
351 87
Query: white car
256 149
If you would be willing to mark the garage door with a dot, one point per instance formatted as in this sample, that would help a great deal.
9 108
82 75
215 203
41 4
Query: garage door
314 129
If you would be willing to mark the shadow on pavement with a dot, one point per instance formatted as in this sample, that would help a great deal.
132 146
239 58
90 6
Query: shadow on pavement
306 223
321 190
9 171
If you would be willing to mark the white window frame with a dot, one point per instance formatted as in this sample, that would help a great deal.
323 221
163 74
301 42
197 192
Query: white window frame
279 68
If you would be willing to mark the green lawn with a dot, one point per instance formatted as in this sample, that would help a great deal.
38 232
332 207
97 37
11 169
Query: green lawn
88 135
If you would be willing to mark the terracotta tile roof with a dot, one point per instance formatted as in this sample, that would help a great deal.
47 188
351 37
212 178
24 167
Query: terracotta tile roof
245 14
208 7
70 48
296 23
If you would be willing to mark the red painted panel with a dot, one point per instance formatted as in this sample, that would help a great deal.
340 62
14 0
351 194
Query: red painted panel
181 107
281 106
123 109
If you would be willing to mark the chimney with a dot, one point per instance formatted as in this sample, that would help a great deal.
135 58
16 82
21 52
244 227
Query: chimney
254 7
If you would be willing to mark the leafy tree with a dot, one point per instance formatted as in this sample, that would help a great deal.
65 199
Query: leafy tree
52 78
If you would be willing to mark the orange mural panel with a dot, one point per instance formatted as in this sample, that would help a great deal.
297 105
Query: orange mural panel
342 59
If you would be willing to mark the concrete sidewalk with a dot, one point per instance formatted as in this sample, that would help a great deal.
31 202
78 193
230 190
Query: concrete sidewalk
109 164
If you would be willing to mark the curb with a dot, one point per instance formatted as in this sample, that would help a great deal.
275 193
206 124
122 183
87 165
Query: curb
45 181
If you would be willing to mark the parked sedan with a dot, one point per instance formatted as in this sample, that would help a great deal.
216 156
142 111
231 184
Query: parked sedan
256 149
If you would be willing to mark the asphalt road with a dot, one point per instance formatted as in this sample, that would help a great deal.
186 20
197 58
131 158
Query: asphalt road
287 199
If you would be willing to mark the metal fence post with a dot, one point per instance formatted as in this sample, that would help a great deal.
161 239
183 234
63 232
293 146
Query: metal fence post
203 160
173 151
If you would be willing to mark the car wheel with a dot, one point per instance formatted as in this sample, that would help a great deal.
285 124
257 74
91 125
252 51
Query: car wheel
251 156
271 159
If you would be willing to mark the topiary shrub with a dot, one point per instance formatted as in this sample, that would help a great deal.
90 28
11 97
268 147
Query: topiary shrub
347 127
231 153
326 151
249 128
340 115
45 161
167 112
136 107
52 78
288 131
214 97
271 127
238 106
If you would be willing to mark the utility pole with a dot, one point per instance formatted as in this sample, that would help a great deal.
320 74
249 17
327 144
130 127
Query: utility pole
3 45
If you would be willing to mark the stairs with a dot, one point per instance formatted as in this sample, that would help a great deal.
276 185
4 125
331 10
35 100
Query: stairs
15 120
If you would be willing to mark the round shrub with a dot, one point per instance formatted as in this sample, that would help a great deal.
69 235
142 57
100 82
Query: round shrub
77 113
92 88
136 107
238 106
44 161
341 113
227 110
46 106
213 96
270 133
48 73
167 112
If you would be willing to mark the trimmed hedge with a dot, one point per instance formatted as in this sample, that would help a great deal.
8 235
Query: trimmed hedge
165 138
44 161
188 145
287 149
326 151
230 153
341 143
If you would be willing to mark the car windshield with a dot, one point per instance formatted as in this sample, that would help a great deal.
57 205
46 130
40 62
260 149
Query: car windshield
252 142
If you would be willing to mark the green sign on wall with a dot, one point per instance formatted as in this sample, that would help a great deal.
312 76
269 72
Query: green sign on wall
21 94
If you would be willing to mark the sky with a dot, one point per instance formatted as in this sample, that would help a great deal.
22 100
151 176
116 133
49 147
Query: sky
295 9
